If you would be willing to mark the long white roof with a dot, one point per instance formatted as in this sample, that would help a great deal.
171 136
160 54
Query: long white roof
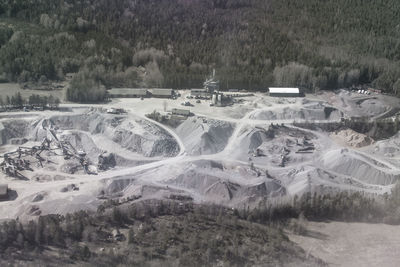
283 90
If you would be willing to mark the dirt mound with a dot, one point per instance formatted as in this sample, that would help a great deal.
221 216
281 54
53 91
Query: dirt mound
359 166
312 179
252 138
352 138
201 136
230 185
117 186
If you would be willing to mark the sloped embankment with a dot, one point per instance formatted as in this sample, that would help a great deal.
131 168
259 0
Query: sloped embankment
359 166
139 136
204 136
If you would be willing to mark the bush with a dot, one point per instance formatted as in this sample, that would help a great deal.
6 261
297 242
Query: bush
86 88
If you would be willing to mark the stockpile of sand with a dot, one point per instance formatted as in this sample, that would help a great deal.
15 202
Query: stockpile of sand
314 179
359 166
201 136
352 138
252 138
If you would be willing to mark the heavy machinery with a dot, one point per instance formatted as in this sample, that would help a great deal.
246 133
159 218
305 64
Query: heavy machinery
21 159
211 84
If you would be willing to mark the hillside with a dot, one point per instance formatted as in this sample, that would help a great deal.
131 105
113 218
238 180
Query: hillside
176 43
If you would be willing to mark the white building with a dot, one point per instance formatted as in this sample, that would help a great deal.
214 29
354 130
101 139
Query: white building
284 92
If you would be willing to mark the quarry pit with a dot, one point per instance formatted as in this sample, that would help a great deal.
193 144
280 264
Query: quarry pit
259 149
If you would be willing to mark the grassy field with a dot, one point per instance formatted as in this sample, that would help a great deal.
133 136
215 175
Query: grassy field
10 89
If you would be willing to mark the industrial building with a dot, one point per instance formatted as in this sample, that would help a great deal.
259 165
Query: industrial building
162 93
3 191
284 92
220 100
128 92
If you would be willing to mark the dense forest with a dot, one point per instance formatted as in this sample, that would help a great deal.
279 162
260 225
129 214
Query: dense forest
252 44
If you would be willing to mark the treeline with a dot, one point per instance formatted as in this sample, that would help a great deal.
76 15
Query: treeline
343 206
34 101
252 44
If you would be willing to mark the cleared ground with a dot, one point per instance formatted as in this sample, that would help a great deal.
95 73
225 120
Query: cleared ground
352 244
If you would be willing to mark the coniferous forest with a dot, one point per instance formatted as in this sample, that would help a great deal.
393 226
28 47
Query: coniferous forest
252 44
